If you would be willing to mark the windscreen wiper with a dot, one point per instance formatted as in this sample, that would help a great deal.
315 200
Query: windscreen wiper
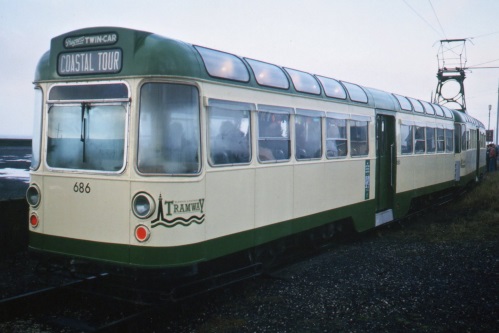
84 111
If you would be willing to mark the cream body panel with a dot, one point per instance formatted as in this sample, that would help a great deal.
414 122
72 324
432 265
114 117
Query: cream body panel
230 208
100 215
309 189
406 172
273 194
445 170
344 182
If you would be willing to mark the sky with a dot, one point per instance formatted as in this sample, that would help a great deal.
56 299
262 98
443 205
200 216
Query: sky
390 45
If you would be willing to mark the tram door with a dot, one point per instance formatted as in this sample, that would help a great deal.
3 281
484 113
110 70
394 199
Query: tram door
386 163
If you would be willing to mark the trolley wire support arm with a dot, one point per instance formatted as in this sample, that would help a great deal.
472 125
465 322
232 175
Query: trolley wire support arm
451 74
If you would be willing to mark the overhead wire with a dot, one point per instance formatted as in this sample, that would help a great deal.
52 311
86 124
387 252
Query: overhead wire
438 20
483 63
484 35
422 18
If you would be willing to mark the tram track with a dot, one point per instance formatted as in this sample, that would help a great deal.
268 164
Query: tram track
81 305
104 303
26 302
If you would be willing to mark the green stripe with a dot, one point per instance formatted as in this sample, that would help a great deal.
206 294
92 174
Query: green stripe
143 256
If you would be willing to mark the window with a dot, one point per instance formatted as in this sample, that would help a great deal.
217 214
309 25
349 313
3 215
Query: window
359 138
229 134
427 107
417 105
356 93
464 138
440 140
304 82
336 138
406 139
438 110
268 75
332 88
223 65
404 102
457 138
37 129
273 134
87 136
308 131
88 92
447 112
169 139
449 140
430 140
420 141
472 139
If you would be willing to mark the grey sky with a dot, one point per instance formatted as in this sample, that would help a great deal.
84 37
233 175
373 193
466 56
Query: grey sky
390 45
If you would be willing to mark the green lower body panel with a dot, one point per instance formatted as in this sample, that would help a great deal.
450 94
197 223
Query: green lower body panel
361 214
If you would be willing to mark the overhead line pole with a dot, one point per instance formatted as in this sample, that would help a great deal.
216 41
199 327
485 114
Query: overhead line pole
497 122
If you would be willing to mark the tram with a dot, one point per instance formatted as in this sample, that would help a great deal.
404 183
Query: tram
154 154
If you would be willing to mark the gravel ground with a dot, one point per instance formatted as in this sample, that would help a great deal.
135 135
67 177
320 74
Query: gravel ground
374 285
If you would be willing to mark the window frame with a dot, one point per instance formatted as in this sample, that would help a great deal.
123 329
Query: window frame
228 106
352 121
199 140
301 81
355 91
403 102
36 142
440 140
416 104
273 70
273 111
449 148
327 83
308 114
418 139
410 125
431 143
345 119
210 56
86 127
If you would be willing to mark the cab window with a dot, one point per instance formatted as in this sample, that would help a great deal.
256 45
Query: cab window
169 129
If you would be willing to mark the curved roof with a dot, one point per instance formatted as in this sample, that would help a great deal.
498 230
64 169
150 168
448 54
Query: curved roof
143 53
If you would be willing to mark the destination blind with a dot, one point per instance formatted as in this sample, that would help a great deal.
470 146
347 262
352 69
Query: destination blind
90 62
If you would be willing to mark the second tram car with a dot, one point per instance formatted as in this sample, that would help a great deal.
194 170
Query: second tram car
151 153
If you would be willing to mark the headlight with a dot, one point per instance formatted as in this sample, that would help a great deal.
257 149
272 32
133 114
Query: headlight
143 205
33 196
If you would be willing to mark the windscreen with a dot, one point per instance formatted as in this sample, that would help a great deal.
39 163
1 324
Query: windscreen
87 136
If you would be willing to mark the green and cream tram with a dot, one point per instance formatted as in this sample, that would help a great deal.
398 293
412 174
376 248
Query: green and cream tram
149 152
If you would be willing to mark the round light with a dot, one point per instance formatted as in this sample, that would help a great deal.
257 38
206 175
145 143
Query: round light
33 220
142 233
143 205
33 195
